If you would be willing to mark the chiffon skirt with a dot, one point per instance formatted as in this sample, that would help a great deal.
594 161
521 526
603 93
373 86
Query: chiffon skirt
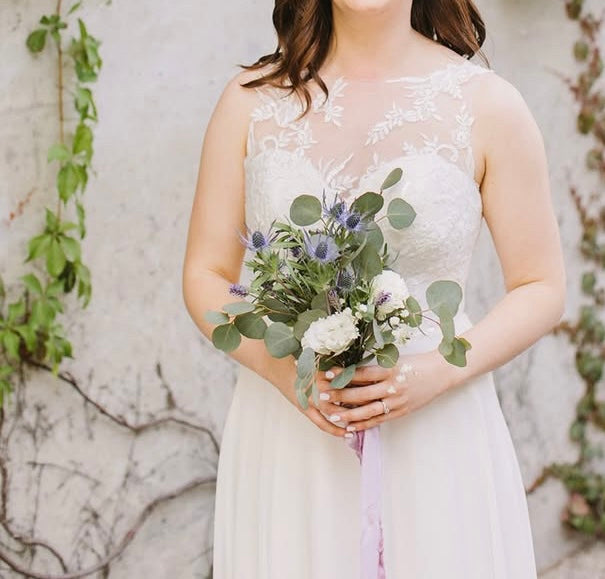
453 503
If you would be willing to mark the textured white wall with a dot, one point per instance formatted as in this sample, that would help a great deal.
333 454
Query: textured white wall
78 479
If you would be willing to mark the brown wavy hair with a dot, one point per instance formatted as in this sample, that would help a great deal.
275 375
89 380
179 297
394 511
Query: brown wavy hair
304 31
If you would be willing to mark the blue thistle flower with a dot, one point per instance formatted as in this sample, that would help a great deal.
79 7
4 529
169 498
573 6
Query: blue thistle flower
237 289
335 209
345 280
321 247
296 251
351 221
256 240
333 299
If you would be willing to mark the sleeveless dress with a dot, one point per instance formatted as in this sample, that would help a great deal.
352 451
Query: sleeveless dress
288 494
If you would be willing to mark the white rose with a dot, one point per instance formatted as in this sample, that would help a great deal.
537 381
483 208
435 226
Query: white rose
391 282
332 334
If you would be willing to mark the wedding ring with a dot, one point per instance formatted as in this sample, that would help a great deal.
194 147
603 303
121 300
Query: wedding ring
385 407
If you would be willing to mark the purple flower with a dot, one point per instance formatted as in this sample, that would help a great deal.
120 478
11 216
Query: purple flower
382 298
236 289
257 240
334 209
321 247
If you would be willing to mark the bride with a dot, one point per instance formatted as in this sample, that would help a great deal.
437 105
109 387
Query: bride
378 84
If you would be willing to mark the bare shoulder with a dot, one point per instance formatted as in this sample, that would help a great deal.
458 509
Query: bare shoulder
500 109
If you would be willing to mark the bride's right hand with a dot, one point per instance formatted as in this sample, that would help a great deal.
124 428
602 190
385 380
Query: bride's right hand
318 417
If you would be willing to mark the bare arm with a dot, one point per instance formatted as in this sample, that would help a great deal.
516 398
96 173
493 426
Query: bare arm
518 211
214 253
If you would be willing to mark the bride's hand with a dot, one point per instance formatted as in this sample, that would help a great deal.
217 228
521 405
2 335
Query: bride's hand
313 413
414 381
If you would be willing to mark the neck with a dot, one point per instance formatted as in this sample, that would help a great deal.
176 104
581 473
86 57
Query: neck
370 43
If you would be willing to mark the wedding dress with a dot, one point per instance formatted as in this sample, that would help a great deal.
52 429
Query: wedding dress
453 501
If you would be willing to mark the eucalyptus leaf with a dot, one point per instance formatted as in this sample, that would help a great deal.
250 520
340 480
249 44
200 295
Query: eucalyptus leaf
414 318
280 312
393 177
305 363
251 325
447 328
237 308
279 340
400 213
320 302
216 317
305 210
377 334
368 263
343 377
374 235
457 356
226 337
387 356
368 204
444 297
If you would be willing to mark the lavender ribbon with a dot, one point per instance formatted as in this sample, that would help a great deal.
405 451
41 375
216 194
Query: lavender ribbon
366 445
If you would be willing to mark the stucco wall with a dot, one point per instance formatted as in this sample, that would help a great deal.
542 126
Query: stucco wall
78 478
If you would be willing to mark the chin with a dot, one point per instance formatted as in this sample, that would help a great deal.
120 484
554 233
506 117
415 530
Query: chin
368 6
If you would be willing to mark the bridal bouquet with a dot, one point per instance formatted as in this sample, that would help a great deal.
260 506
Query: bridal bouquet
322 291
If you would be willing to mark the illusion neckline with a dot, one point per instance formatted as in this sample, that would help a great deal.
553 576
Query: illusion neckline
448 67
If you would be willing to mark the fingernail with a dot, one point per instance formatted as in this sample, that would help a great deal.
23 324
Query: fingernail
392 390
324 396
351 428
349 435
330 374
335 418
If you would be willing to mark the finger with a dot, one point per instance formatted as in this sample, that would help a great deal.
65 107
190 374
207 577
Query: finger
365 424
360 394
373 373
319 420
360 413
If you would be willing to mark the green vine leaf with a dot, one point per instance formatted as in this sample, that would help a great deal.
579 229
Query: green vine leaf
36 41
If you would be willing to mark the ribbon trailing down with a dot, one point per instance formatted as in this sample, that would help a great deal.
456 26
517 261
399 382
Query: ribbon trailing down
366 444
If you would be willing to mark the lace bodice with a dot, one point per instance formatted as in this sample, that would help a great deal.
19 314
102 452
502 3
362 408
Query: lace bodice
349 142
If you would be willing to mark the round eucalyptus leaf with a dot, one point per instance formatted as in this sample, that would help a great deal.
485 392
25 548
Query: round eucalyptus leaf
306 363
305 210
344 377
368 204
368 263
226 337
374 235
446 348
444 297
279 340
387 356
237 308
457 356
216 317
251 325
320 302
400 213
393 177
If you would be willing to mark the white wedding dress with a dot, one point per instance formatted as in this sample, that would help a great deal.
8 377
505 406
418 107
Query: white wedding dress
288 494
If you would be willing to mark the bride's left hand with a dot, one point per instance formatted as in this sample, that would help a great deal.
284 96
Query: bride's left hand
426 378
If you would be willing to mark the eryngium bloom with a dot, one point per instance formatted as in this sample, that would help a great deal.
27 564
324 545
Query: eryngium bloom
321 247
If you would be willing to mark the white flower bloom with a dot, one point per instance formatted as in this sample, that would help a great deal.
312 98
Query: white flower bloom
402 334
362 308
395 321
391 282
332 334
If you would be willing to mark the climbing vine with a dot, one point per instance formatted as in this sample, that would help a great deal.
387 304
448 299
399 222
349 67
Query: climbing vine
29 326
585 509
